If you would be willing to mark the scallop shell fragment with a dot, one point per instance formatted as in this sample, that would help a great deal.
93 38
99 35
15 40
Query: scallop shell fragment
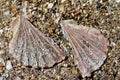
89 45
31 47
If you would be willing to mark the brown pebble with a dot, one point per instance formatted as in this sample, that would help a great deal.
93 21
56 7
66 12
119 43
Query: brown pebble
1 25
1 69
74 71
2 52
2 64
33 77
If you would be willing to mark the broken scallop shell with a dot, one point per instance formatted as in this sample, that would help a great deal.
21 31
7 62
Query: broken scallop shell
31 47
89 45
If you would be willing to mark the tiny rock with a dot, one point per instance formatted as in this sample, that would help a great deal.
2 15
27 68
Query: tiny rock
6 13
62 1
1 69
1 25
1 45
9 65
118 1
1 78
16 78
50 5
1 31
2 52
2 63
74 71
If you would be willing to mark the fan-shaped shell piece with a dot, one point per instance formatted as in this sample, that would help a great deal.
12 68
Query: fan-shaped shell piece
31 47
89 45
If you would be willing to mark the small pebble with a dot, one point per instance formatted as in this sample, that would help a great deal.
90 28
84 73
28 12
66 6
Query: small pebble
62 1
90 1
112 44
118 1
1 45
2 63
1 31
50 5
1 25
65 65
1 69
1 78
9 65
7 13
2 52
16 78
74 71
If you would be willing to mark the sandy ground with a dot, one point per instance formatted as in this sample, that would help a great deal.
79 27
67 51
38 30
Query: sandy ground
45 15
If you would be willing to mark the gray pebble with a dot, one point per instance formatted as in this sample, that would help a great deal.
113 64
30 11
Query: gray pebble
9 65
